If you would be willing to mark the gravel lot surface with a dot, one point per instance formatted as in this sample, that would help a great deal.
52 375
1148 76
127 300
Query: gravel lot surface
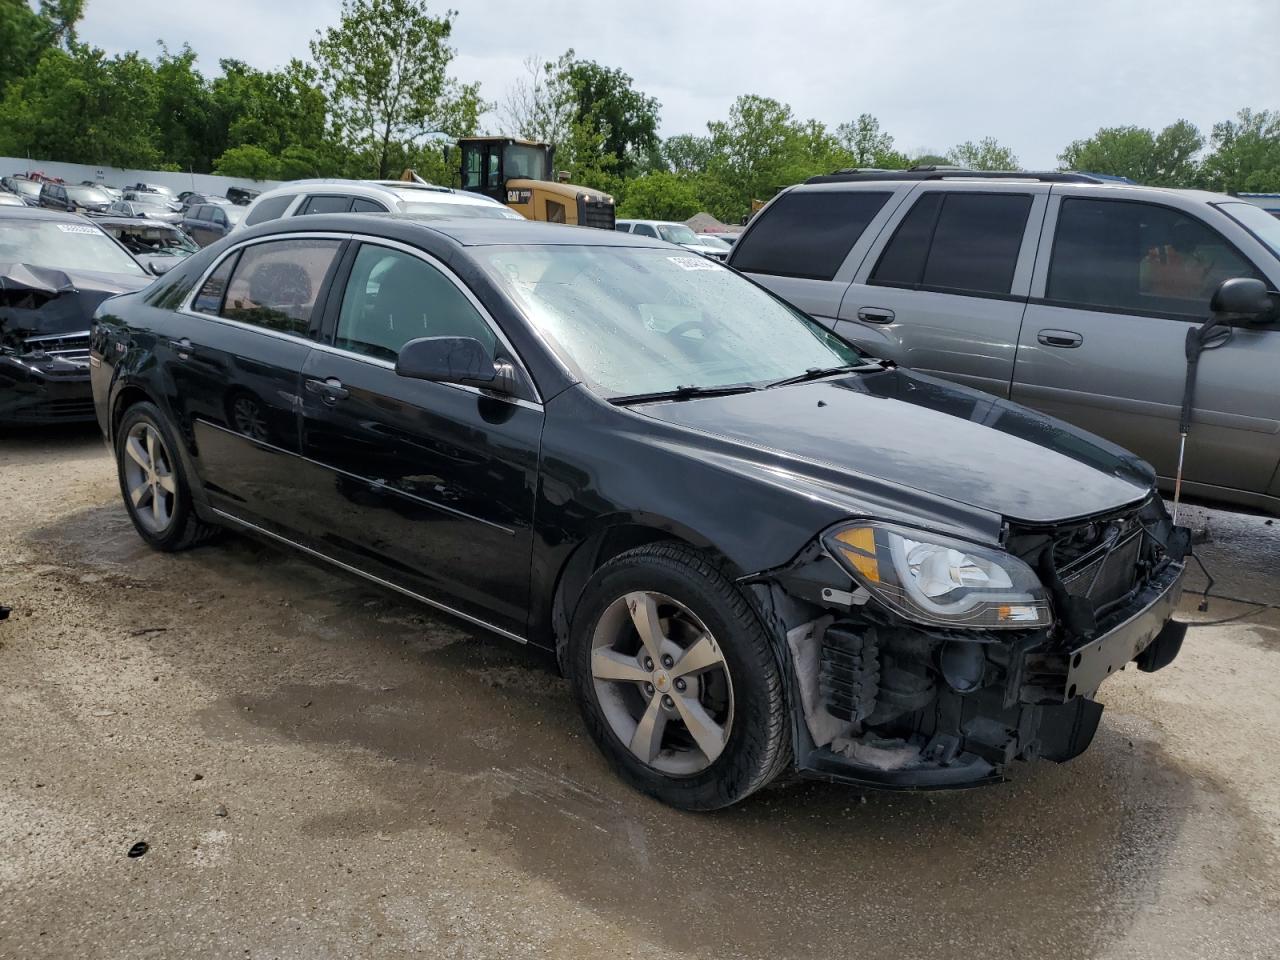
321 769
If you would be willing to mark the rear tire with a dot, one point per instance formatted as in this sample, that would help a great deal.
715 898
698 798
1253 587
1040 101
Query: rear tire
677 679
154 484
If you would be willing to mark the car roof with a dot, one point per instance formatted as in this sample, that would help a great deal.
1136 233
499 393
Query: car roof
1012 180
399 190
460 231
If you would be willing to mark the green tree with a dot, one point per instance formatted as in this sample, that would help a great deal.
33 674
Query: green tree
604 100
80 106
385 69
661 195
26 34
1244 155
248 162
1166 159
986 154
184 110
686 153
868 145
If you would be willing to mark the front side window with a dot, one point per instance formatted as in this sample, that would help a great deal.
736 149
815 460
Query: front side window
957 242
275 284
635 320
807 234
644 230
1133 257
393 297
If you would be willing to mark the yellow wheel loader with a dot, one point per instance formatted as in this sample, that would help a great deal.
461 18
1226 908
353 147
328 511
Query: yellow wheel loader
519 174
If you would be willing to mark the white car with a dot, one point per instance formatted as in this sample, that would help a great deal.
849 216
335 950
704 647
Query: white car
302 197
672 232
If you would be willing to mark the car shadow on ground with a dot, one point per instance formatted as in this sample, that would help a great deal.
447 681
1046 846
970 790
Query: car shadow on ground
479 737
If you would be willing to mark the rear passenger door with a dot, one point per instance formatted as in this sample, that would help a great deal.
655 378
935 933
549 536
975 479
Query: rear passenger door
235 356
806 245
1121 280
944 287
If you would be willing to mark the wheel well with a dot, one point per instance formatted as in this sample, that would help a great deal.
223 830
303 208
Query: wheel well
127 397
592 554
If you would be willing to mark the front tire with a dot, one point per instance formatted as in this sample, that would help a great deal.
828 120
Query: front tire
677 680
153 483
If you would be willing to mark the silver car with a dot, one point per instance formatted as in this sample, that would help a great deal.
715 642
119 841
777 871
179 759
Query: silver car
1058 291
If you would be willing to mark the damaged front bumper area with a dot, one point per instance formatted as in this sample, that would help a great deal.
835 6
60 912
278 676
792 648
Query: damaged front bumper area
45 380
883 702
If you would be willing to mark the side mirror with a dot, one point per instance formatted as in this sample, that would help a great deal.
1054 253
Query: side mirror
454 360
157 269
1244 298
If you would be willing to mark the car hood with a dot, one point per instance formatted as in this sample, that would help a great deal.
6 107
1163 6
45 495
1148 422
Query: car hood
926 436
40 301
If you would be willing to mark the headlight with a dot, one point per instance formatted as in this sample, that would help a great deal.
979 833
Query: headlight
939 581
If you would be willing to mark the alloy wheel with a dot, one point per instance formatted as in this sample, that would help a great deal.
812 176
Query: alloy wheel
150 483
662 682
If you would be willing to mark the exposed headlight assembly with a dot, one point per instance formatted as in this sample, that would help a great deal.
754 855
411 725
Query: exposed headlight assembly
935 580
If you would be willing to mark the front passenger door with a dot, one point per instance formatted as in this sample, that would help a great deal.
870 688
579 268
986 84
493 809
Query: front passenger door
429 486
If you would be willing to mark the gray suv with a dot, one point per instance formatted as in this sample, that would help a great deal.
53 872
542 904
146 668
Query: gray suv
1058 291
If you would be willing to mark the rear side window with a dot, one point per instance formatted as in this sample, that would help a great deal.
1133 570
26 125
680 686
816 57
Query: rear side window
644 230
272 208
807 234
326 205
1134 257
275 284
361 205
957 242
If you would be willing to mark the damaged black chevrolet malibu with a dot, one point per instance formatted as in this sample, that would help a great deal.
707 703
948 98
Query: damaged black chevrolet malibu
751 547
55 268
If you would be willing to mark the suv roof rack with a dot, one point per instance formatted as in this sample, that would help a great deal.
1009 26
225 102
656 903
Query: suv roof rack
940 172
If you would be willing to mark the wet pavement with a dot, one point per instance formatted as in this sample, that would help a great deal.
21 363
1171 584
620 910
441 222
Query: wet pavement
320 769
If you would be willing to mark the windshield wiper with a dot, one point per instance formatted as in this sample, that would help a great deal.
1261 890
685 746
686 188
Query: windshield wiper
817 373
682 393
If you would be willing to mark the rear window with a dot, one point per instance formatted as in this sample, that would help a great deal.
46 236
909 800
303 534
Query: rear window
807 234
327 204
272 208
957 242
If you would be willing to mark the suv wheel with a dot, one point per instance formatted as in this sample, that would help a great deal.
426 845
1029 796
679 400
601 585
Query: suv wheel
677 680
153 483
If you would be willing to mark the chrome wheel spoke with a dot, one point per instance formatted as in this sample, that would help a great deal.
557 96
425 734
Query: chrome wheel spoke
151 447
608 664
133 446
166 482
707 734
139 493
702 655
646 742
644 614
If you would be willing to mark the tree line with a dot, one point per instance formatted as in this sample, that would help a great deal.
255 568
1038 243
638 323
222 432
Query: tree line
377 95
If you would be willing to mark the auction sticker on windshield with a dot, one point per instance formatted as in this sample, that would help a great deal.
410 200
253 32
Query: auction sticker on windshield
77 228
693 263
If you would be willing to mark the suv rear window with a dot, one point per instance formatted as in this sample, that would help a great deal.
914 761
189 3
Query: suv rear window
272 208
956 242
807 234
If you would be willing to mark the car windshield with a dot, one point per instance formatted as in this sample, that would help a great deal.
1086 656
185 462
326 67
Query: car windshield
60 245
151 202
87 195
631 320
1257 221
715 243
156 241
490 211
678 233
28 187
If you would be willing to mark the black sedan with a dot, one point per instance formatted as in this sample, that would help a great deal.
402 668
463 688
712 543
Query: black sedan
751 547
55 268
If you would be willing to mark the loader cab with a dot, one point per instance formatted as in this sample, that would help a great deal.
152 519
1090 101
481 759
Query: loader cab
489 162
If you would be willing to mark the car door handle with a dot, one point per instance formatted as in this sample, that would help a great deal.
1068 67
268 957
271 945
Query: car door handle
183 347
875 315
1059 338
330 390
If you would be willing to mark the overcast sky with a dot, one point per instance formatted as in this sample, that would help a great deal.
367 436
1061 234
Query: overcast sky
1031 73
